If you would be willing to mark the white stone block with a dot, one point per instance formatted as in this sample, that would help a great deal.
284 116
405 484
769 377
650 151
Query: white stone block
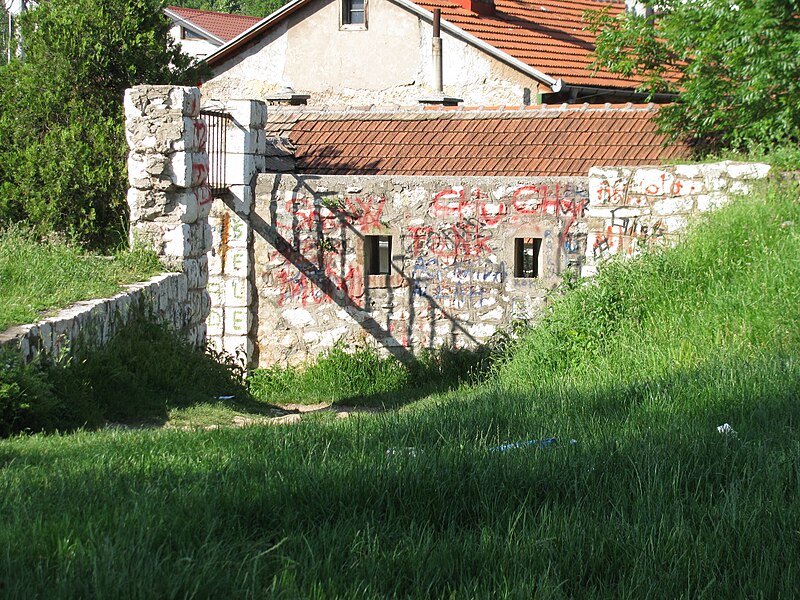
237 262
239 168
187 99
747 170
214 321
688 171
652 182
608 187
177 240
238 231
238 346
200 304
188 169
245 140
248 113
196 270
671 206
214 262
237 320
216 291
145 170
237 292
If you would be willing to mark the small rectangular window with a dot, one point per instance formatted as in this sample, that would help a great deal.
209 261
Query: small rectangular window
354 12
378 254
526 256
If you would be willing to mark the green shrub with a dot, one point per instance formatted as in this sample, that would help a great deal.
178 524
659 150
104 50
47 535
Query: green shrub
145 370
27 398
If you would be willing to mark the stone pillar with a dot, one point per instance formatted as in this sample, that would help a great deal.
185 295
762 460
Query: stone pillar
231 322
168 198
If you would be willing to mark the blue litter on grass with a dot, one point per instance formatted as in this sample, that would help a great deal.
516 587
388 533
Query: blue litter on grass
545 443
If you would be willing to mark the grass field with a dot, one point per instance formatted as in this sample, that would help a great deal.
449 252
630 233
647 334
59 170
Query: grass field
38 277
445 497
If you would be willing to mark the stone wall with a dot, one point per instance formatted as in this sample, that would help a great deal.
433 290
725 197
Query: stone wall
629 209
168 198
457 272
90 324
453 278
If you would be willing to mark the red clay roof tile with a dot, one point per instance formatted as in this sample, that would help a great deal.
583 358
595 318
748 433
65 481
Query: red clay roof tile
223 25
544 141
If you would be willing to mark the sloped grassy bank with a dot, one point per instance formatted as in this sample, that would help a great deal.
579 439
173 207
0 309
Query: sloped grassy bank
639 367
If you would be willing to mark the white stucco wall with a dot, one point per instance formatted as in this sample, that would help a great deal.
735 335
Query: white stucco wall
388 63
196 48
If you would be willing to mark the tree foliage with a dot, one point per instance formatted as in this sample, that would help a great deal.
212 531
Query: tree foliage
254 8
734 63
62 142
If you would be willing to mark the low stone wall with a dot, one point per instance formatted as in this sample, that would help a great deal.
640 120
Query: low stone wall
90 324
629 208
457 270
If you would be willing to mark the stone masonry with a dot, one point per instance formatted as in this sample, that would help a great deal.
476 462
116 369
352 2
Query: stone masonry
458 272
168 198
231 320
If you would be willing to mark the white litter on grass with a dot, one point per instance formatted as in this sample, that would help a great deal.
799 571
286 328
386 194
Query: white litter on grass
225 397
726 429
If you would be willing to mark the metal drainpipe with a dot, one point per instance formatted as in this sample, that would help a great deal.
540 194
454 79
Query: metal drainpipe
437 50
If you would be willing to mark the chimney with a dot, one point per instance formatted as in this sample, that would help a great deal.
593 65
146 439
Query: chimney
479 7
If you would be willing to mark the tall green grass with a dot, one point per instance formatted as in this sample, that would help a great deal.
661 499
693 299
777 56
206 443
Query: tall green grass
638 366
38 276
363 377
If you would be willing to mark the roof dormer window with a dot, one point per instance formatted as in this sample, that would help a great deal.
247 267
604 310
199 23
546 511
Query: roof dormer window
188 34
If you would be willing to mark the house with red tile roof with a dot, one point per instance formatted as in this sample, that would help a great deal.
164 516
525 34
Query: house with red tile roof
201 32
399 52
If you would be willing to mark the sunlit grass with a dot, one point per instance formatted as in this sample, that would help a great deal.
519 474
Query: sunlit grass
37 277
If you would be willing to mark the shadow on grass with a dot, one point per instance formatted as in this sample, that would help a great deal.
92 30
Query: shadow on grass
648 502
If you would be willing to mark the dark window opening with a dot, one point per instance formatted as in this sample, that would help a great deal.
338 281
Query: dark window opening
526 256
354 12
188 34
378 254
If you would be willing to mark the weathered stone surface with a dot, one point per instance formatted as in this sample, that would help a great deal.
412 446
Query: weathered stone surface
91 324
455 273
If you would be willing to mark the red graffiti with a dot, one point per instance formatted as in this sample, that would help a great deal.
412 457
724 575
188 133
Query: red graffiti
199 174
318 286
202 195
200 134
367 211
457 240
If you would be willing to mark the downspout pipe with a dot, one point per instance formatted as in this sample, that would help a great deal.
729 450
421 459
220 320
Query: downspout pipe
437 50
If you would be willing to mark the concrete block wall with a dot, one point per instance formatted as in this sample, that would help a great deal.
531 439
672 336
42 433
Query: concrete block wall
90 324
231 321
169 198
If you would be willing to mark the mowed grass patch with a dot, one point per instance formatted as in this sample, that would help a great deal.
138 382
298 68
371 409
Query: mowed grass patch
37 276
456 498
